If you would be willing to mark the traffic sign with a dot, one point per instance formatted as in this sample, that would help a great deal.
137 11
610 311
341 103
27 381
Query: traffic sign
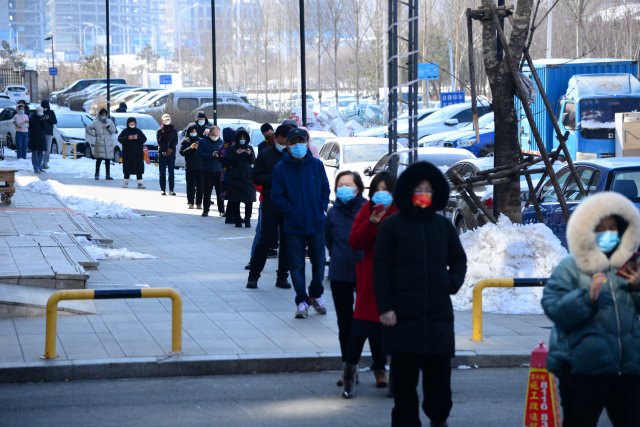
165 79
0 79
53 71
428 71
450 98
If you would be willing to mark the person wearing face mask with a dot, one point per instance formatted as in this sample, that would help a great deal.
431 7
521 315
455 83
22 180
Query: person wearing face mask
300 190
209 152
272 220
366 321
201 123
593 299
101 129
418 263
37 140
167 138
241 189
193 167
228 137
50 121
132 140
21 123
267 132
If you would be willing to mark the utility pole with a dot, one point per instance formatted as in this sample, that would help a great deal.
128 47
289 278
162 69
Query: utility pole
549 29
451 67
53 61
303 68
108 67
213 62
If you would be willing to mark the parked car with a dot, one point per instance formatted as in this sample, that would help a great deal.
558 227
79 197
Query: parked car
155 100
342 102
17 93
441 157
377 132
70 128
319 137
8 109
354 154
59 97
442 139
93 107
621 174
195 99
235 110
423 113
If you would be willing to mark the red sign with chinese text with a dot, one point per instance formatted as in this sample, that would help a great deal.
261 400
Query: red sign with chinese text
145 150
543 407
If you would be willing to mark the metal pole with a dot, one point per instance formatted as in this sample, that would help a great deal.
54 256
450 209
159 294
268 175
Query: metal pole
53 63
392 63
451 67
412 65
303 71
213 61
549 28
108 66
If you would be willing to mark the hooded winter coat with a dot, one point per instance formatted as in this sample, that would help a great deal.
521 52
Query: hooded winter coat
417 264
171 139
241 187
37 139
228 137
122 108
132 149
602 337
51 120
102 132
206 148
337 228
200 129
300 190
192 161
261 174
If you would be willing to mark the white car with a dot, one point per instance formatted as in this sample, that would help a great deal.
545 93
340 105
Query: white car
17 93
70 128
342 103
443 158
157 99
378 132
354 154
319 137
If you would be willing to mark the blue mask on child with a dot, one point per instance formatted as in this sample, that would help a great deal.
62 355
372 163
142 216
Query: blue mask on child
21 111
299 150
607 240
383 197
346 194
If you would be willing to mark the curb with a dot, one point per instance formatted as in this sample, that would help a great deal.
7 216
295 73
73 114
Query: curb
180 365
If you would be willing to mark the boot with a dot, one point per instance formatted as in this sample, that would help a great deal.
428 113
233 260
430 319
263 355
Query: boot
247 223
140 184
248 266
381 378
107 165
126 183
252 282
108 178
349 380
97 176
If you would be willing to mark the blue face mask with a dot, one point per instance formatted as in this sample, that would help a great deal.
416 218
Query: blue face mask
193 135
383 197
299 150
21 111
200 122
103 118
607 240
39 114
280 148
346 194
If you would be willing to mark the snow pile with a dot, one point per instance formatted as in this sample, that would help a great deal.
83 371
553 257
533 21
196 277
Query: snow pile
507 250
100 252
81 205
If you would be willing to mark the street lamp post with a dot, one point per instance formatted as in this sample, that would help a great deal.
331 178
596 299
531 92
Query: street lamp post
80 40
303 68
179 44
108 64
139 40
213 61
126 39
53 61
153 34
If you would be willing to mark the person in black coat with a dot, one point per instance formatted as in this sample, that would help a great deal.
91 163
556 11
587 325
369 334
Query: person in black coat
201 124
122 108
132 140
167 138
267 132
50 120
192 166
241 190
37 139
418 263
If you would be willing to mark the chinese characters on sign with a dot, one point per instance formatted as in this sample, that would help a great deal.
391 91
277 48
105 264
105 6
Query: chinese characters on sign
450 98
428 71
542 407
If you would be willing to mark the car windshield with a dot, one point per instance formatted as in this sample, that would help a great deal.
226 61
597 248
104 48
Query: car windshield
143 123
597 116
627 182
445 112
72 121
7 104
318 141
442 160
355 153
16 89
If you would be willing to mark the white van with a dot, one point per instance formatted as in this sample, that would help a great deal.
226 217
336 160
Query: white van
191 99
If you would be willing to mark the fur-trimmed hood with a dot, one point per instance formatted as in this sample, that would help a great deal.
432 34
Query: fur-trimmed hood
581 237
410 178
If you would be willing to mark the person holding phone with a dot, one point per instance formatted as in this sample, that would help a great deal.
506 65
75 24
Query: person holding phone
241 189
132 140
37 140
50 121
102 129
21 123
593 299
208 151
366 322
167 138
228 141
193 167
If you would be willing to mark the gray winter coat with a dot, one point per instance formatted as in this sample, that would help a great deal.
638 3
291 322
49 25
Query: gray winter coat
602 337
104 141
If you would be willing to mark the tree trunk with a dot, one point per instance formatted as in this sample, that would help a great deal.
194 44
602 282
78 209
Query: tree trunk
319 59
266 78
335 65
579 30
357 82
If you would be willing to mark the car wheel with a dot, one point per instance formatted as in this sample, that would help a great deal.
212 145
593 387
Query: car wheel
54 147
10 143
117 156
461 226
87 151
486 151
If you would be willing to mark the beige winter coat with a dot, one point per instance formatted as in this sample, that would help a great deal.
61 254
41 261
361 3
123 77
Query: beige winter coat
20 121
102 132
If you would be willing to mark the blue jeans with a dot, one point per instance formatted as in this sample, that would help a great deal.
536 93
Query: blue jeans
37 157
256 239
167 162
22 143
295 250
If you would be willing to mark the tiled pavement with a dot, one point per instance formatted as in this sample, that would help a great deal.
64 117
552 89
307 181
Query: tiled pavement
204 260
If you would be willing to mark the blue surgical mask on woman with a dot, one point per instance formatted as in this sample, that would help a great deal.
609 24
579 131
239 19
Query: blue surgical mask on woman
200 122
21 111
383 197
280 148
193 135
103 118
346 194
607 240
299 150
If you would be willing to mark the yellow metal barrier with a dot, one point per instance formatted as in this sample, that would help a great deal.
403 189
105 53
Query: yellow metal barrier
495 283
52 311
75 150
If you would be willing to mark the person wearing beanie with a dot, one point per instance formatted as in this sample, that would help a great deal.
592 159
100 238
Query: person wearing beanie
201 123
241 190
267 132
50 121
102 130
167 138
132 140
37 140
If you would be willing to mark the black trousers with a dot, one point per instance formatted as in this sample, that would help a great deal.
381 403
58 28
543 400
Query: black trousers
343 298
211 179
107 165
271 227
128 175
217 183
583 397
356 344
233 209
436 384
194 186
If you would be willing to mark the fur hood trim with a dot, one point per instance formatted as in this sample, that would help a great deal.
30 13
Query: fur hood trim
581 237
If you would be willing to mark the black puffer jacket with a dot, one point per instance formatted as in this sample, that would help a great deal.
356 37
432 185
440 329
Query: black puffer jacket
200 129
172 139
241 187
52 119
261 174
132 151
192 161
37 128
418 262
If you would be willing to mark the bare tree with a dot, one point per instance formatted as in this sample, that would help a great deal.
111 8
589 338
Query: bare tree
582 10
359 26
335 16
318 21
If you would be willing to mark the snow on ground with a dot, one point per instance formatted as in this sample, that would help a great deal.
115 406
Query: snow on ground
101 252
81 205
507 250
84 168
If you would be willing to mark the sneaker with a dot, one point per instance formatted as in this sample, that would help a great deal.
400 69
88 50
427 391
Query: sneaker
318 305
283 284
272 254
171 193
248 266
141 185
46 166
198 206
252 283
302 311
221 213
190 206
205 213
37 171
42 171
164 193
108 178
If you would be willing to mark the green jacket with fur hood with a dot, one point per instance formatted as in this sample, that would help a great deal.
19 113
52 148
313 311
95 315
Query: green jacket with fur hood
601 338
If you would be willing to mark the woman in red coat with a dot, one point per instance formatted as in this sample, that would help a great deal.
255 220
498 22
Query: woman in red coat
366 320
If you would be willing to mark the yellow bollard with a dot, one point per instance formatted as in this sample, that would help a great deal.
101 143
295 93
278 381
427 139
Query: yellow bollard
477 302
176 313
52 316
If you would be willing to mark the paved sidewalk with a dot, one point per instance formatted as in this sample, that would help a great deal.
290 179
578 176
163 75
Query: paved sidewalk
204 260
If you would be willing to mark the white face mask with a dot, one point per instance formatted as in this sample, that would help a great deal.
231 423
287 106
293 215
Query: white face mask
193 135
243 141
214 137
167 122
132 126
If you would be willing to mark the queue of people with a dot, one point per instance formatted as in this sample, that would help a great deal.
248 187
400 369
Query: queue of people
34 132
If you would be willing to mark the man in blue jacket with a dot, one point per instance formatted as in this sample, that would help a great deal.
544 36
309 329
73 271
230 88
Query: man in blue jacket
300 190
